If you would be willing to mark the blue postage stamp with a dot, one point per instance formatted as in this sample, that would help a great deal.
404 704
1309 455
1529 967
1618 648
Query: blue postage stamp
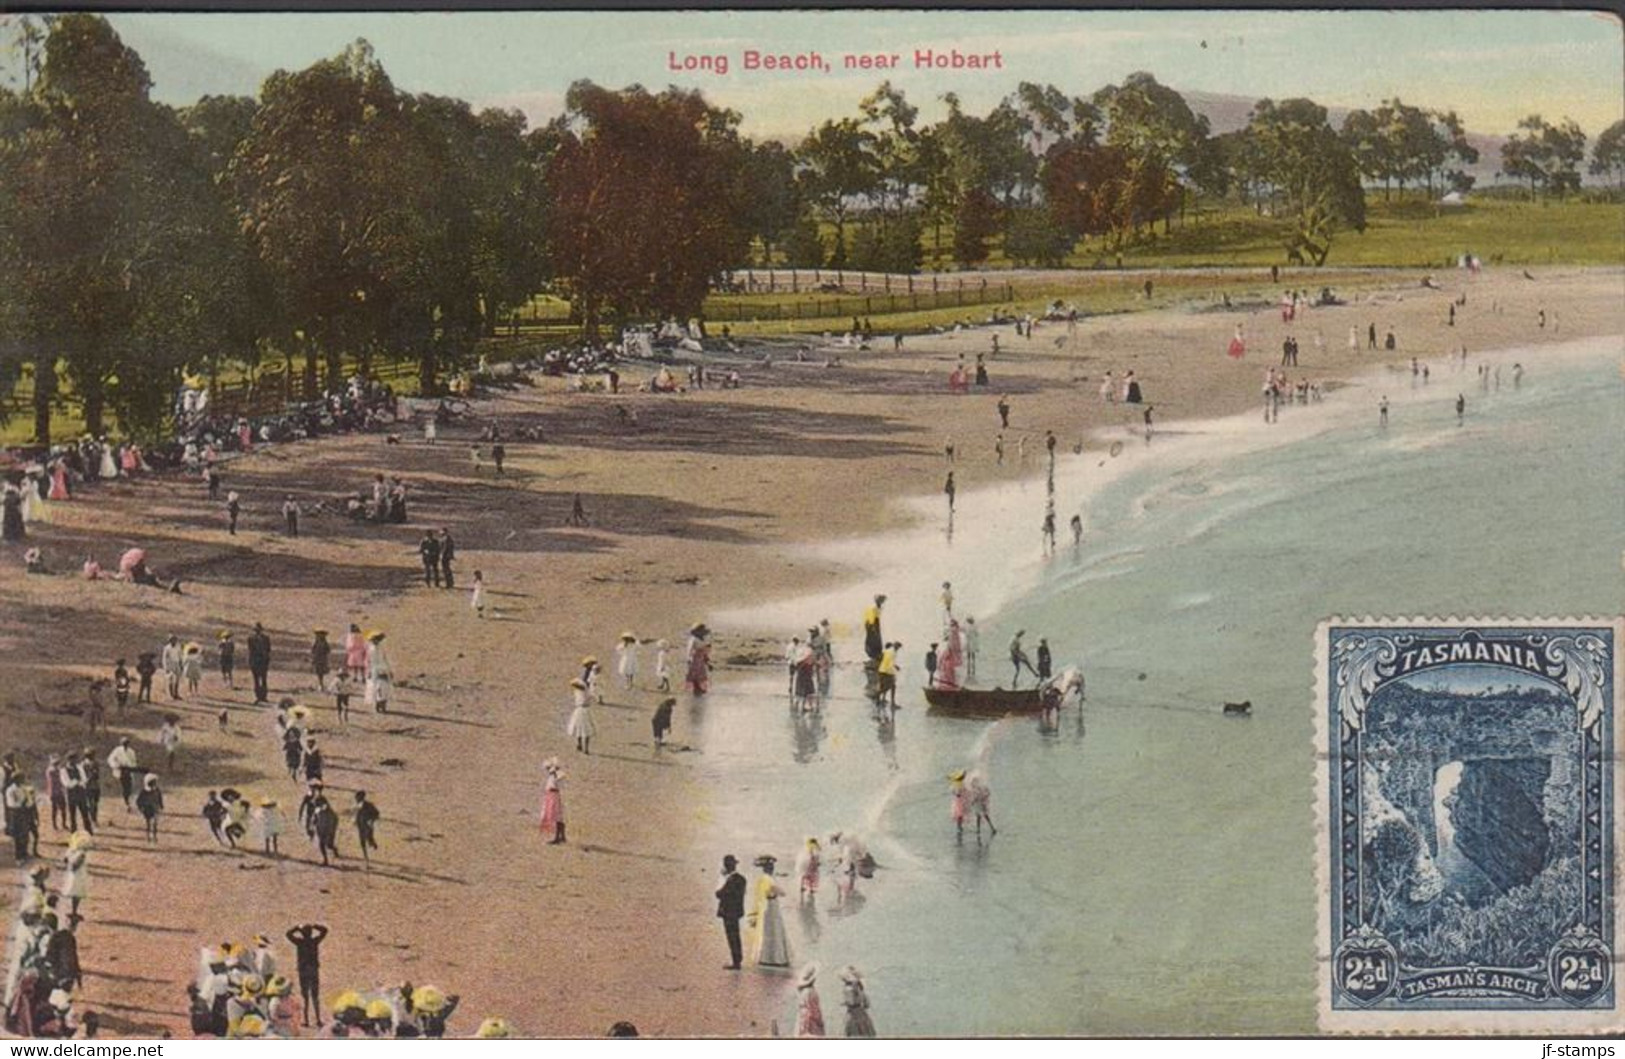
1467 790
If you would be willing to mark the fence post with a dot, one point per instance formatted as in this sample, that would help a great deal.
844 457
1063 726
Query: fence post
867 307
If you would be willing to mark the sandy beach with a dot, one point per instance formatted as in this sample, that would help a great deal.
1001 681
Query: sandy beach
697 503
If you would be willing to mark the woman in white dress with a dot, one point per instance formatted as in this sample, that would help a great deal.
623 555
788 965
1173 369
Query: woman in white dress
380 678
76 881
109 465
581 727
33 503
770 945
270 821
627 654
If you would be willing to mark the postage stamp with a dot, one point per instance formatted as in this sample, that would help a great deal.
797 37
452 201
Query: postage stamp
1468 836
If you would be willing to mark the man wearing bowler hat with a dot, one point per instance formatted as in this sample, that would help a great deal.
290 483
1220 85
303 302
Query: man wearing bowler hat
731 908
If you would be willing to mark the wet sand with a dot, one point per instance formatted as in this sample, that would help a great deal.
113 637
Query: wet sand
699 505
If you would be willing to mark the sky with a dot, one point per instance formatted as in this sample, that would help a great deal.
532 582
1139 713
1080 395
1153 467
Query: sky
1493 67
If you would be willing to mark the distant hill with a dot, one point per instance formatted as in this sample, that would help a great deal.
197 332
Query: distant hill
1227 113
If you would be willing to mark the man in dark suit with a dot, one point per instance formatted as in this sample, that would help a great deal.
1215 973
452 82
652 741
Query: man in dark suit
259 663
448 552
731 908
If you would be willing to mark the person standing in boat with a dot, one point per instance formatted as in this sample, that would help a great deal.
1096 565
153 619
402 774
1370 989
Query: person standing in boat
951 658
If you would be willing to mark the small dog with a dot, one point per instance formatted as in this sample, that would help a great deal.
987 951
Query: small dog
1239 709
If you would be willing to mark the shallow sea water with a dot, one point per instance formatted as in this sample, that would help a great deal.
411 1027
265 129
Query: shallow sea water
1153 873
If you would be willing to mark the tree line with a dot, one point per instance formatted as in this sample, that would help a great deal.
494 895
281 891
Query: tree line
336 217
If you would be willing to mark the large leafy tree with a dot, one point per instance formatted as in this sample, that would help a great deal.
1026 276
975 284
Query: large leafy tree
1314 178
1165 144
1546 155
326 182
1608 154
768 195
838 168
644 212
116 242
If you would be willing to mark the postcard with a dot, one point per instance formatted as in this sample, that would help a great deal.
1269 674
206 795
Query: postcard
786 523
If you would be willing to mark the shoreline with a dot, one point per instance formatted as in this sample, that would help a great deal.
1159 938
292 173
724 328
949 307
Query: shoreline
719 501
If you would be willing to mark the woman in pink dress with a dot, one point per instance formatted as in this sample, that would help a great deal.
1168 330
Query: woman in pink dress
355 653
699 660
809 1011
952 657
130 459
59 481
552 803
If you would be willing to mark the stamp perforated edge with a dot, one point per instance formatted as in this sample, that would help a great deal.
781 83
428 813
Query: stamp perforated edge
1453 1023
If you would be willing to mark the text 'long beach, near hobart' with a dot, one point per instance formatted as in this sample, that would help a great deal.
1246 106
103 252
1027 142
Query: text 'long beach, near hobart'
814 62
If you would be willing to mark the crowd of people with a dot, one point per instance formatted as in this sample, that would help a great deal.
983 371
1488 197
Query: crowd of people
240 991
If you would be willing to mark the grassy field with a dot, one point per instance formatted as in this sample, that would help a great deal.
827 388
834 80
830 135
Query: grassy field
1412 233
1235 243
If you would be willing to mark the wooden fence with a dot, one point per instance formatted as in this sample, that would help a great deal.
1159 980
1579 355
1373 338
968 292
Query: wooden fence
927 293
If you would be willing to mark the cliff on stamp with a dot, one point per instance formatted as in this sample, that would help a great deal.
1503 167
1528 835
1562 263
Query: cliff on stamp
1472 805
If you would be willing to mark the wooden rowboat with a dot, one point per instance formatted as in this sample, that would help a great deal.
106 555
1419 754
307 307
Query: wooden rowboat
983 702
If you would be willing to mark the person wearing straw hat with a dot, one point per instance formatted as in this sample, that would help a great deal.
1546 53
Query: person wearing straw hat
150 803
321 657
349 1011
280 1007
552 802
731 908
192 667
590 672
770 944
433 1008
581 727
626 653
809 1011
76 866
227 652
856 1000
244 1008
698 676
380 677
494 1029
